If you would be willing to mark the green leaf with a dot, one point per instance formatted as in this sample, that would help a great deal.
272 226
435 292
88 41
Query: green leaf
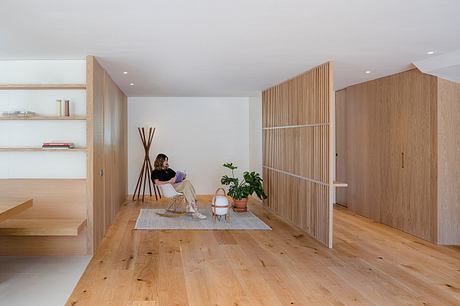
230 166
251 183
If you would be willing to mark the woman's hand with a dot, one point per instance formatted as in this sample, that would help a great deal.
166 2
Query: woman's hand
173 180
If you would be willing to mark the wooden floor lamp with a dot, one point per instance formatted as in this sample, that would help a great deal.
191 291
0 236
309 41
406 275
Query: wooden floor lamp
146 170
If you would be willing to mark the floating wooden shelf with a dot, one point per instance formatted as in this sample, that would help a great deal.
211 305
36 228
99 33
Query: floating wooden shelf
13 206
42 227
340 184
42 118
42 86
41 150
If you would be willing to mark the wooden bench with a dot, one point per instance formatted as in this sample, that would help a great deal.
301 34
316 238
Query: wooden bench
42 227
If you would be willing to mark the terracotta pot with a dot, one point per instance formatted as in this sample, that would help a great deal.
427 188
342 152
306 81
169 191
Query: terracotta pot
240 205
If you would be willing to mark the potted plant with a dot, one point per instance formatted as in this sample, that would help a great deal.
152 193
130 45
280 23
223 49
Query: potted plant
241 190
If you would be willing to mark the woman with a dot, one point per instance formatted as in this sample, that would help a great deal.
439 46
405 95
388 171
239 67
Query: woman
162 174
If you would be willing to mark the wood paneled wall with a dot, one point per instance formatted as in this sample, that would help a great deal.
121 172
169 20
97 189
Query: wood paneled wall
400 140
389 143
448 209
107 162
297 155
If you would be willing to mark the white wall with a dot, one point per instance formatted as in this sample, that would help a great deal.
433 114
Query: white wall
31 133
255 134
198 135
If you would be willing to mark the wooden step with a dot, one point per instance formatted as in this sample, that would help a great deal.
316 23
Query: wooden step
42 227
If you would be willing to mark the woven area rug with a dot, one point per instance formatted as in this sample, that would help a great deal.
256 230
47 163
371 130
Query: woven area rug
149 220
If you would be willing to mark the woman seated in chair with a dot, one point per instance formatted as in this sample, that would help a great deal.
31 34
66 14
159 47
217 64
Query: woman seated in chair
162 174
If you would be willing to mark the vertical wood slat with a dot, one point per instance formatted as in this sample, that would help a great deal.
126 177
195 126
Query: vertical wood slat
296 154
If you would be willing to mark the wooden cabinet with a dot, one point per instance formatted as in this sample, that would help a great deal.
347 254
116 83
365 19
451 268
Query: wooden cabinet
390 136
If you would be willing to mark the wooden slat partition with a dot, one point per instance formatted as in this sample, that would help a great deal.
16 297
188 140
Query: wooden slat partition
297 155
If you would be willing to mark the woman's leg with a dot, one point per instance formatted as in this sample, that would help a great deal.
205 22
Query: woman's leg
187 189
190 197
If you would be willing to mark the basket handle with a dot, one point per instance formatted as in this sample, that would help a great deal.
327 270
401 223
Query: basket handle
215 197
223 190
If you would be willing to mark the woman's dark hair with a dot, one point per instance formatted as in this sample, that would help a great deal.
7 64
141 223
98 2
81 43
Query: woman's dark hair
159 161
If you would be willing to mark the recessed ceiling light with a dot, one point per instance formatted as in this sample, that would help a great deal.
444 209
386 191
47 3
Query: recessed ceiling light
131 84
430 52
367 71
125 72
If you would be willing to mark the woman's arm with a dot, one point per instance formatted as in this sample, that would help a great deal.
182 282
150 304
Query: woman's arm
171 181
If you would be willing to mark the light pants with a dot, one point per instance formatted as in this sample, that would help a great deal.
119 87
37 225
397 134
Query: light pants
187 189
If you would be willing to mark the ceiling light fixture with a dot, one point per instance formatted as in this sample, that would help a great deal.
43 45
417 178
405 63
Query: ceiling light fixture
131 84
367 71
430 52
125 72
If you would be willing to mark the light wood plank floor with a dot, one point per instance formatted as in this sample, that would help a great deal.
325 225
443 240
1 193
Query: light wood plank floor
371 264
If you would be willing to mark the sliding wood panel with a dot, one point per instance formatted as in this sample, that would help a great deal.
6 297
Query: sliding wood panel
362 158
297 155
387 176
419 93
95 140
115 149
341 146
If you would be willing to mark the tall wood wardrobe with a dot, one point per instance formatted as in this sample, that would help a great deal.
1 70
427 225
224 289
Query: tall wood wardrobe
397 149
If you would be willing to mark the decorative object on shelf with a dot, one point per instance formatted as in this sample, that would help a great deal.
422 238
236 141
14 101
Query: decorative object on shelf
34 117
58 145
19 114
240 191
146 170
41 86
67 108
220 206
58 107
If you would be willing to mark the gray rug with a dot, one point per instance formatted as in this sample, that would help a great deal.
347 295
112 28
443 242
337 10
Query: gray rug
149 220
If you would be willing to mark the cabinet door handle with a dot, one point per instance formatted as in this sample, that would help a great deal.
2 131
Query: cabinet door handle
402 160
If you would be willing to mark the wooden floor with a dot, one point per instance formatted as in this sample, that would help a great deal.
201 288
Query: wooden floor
370 264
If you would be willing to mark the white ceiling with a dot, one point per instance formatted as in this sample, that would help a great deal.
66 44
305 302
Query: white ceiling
229 47
446 66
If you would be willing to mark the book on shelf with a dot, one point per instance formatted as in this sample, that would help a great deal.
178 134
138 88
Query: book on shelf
58 145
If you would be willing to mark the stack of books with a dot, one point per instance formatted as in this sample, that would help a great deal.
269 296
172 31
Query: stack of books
58 145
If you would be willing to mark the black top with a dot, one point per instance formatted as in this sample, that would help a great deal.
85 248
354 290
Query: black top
163 175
